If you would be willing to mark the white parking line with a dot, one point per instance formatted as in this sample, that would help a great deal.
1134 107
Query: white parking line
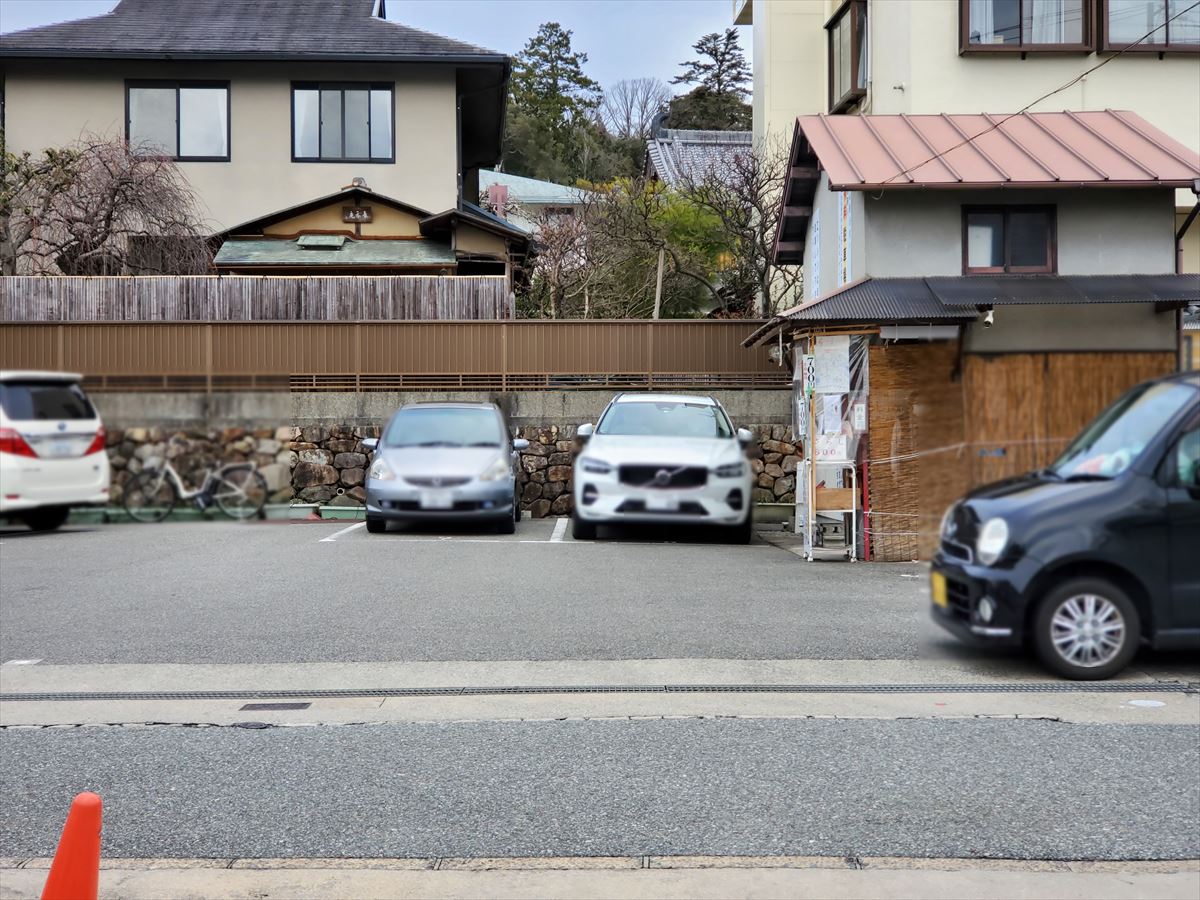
22 662
560 528
346 530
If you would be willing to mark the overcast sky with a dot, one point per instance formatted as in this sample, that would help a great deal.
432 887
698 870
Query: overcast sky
623 38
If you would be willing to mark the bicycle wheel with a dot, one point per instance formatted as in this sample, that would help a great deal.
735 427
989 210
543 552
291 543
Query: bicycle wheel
240 492
150 497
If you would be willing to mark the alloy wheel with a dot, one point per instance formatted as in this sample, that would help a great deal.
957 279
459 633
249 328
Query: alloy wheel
1087 630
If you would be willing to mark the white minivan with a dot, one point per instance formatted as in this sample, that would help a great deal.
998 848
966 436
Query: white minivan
51 448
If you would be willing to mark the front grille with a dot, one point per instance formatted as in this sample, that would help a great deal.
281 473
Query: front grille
664 476
415 506
432 481
690 508
958 594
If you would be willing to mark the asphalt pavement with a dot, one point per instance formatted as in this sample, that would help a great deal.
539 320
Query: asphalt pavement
967 788
228 593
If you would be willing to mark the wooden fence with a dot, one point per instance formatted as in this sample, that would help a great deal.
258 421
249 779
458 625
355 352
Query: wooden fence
232 298
412 355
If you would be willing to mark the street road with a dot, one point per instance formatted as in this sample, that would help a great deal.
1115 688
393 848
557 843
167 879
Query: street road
991 759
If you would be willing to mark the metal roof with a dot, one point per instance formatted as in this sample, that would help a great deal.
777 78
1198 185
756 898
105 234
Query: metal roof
984 290
275 252
532 190
1044 149
958 300
676 155
242 29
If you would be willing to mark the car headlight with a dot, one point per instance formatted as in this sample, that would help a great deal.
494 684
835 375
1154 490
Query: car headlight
946 517
381 471
731 470
497 470
992 540
595 466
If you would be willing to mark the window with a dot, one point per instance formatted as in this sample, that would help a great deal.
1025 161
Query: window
1008 239
990 26
847 35
1175 25
342 123
185 120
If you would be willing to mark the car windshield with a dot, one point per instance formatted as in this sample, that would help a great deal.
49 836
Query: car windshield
1114 441
444 427
40 400
666 419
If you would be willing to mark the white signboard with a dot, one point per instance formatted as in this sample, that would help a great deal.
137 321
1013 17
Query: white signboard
814 265
808 372
845 227
859 416
832 362
830 448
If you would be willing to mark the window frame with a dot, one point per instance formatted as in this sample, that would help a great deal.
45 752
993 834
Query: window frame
966 48
176 84
1106 47
855 94
342 87
1051 267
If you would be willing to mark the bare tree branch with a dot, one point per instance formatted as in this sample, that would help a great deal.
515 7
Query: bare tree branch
629 106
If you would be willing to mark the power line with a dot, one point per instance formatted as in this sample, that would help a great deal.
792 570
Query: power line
1078 78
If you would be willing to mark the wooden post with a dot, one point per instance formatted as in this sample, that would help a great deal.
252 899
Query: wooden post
650 354
357 357
208 361
503 356
658 284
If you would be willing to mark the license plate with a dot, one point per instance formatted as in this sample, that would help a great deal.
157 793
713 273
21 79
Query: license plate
437 499
61 448
661 503
937 589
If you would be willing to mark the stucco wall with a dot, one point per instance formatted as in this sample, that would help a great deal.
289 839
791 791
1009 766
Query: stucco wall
384 221
1111 231
827 204
51 104
789 61
1099 326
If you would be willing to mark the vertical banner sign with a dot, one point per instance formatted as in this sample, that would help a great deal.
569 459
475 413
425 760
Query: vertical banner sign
844 232
814 264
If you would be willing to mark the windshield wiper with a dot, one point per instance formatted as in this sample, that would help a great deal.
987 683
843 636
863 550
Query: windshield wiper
1048 473
482 444
1088 476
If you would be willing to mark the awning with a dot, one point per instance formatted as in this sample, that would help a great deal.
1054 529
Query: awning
959 300
303 252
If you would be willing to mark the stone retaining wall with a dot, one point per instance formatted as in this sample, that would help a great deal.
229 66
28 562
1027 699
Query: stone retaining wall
328 464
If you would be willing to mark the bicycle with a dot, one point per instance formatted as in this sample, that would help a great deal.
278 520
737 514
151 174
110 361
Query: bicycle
238 489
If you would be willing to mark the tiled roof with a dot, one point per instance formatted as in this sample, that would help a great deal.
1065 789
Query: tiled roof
302 252
1045 149
676 155
232 29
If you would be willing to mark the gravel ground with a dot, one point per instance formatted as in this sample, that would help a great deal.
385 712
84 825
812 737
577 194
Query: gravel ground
964 788
225 593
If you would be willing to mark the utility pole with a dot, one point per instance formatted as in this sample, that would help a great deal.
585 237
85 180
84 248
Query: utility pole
662 252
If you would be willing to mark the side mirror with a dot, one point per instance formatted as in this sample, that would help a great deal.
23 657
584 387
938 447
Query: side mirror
745 437
370 443
585 431
520 444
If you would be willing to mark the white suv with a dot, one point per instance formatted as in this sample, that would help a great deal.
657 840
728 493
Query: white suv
51 448
663 458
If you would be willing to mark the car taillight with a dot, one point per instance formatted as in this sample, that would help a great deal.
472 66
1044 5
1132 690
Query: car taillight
97 444
12 442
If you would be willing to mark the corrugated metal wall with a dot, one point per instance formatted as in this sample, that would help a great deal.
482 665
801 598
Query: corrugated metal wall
396 355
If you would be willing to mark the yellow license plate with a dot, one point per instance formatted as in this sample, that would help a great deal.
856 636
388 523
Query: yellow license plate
937 589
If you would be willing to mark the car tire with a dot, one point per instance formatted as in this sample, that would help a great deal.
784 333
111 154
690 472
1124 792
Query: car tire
48 518
516 507
507 525
581 530
376 525
1067 617
741 534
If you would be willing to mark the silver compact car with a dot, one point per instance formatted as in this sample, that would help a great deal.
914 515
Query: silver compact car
663 458
440 461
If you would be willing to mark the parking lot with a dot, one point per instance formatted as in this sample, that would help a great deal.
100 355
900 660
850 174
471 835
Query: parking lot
491 695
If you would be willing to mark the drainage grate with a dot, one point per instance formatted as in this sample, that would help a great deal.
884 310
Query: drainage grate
1024 687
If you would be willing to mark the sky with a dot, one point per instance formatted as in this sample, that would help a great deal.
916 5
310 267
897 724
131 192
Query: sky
622 38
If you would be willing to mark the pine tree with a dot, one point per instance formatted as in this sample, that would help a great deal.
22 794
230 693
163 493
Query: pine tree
721 69
548 83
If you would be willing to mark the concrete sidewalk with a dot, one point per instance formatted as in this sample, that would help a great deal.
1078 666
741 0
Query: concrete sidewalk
621 877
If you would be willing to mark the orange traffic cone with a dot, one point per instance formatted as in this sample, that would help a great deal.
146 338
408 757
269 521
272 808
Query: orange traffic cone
75 872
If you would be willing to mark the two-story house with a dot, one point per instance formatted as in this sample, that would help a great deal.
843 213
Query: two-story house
290 119
912 57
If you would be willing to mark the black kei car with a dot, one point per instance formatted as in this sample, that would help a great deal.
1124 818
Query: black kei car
1096 554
